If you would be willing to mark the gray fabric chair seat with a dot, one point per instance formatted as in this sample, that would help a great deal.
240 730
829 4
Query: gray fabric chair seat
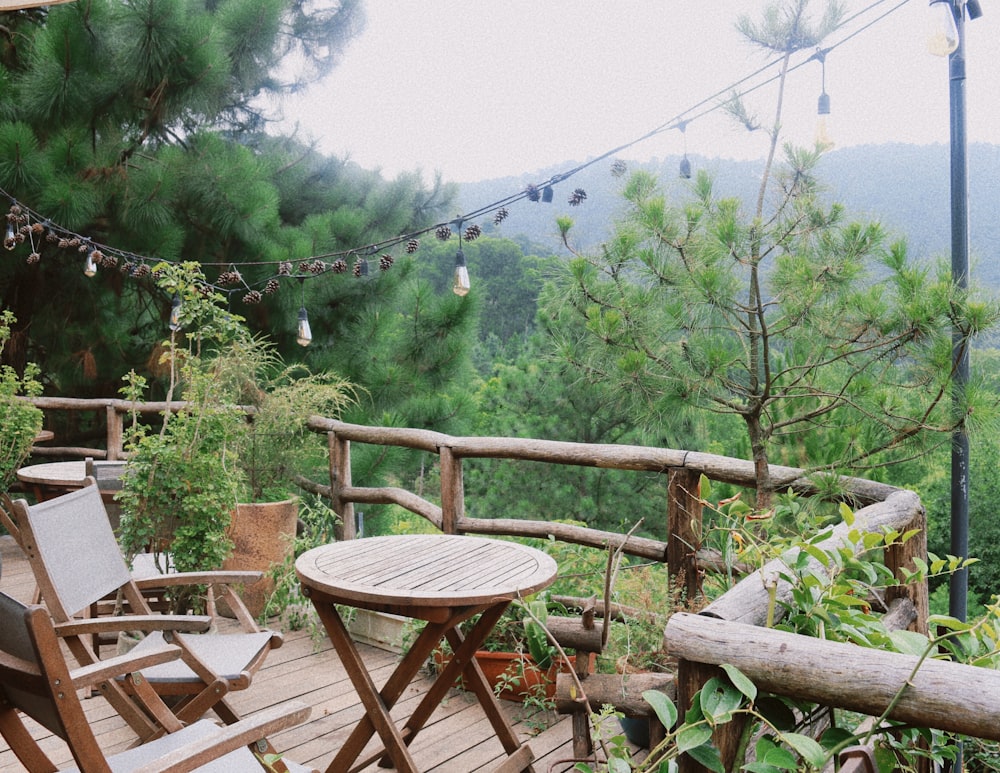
226 656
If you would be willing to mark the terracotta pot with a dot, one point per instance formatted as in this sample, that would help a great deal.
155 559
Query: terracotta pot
262 535
518 673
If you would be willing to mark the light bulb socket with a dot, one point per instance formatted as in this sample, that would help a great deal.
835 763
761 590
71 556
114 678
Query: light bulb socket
823 106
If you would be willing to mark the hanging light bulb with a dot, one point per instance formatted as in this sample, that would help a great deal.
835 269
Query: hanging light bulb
303 334
10 238
824 139
942 30
461 285
175 313
684 170
547 194
90 265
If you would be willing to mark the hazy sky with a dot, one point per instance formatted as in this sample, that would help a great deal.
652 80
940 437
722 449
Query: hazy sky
478 89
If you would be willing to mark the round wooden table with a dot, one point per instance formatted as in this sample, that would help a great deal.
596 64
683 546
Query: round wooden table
53 478
442 579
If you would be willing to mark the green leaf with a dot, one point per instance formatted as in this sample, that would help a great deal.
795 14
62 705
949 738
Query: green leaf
909 642
777 713
760 767
740 681
847 514
807 747
665 709
619 765
951 623
719 700
690 736
707 756
780 758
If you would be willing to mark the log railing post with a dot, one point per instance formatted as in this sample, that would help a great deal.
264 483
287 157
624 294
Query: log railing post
452 490
340 478
115 431
691 677
899 557
684 529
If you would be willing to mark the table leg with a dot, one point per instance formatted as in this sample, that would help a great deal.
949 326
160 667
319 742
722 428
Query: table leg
474 678
377 705
463 661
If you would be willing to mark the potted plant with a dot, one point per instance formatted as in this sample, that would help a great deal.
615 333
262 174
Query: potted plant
182 481
240 437
274 450
517 658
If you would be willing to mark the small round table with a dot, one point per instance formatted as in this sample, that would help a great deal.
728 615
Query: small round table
53 478
442 579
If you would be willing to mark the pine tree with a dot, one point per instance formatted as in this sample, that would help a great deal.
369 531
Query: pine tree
832 349
140 125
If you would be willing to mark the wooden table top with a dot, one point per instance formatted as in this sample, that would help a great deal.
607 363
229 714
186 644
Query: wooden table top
54 474
425 570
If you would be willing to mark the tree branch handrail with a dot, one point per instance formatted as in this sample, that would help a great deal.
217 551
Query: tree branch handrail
607 456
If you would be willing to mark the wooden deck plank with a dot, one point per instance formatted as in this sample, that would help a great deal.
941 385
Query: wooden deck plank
456 739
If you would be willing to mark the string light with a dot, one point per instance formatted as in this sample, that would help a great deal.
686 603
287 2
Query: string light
139 266
823 139
942 35
89 265
461 284
303 333
685 165
175 313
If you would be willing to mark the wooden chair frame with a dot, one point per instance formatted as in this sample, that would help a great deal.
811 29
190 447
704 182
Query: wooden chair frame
77 562
35 680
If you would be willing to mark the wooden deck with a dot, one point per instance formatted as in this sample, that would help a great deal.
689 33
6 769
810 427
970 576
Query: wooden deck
458 739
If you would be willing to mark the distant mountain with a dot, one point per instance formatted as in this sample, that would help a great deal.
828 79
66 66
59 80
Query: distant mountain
906 187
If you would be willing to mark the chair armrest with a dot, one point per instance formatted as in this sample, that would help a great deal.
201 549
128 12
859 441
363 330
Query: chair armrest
113 624
229 738
198 578
123 664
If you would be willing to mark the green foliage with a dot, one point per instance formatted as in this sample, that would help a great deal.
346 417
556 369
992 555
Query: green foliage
140 124
699 307
182 483
830 595
286 600
20 420
815 332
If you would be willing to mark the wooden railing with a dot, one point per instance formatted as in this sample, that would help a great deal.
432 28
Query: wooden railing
734 617
109 412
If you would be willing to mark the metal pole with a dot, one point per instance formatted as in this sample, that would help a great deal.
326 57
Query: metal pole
959 583
958 588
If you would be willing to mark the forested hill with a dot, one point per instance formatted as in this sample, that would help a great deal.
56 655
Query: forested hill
906 187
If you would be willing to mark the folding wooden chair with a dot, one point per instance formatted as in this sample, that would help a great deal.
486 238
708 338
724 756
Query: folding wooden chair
77 562
35 680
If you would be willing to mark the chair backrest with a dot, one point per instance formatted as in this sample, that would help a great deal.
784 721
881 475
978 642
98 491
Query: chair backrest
34 678
72 550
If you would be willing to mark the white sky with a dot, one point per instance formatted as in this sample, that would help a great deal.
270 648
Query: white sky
478 89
